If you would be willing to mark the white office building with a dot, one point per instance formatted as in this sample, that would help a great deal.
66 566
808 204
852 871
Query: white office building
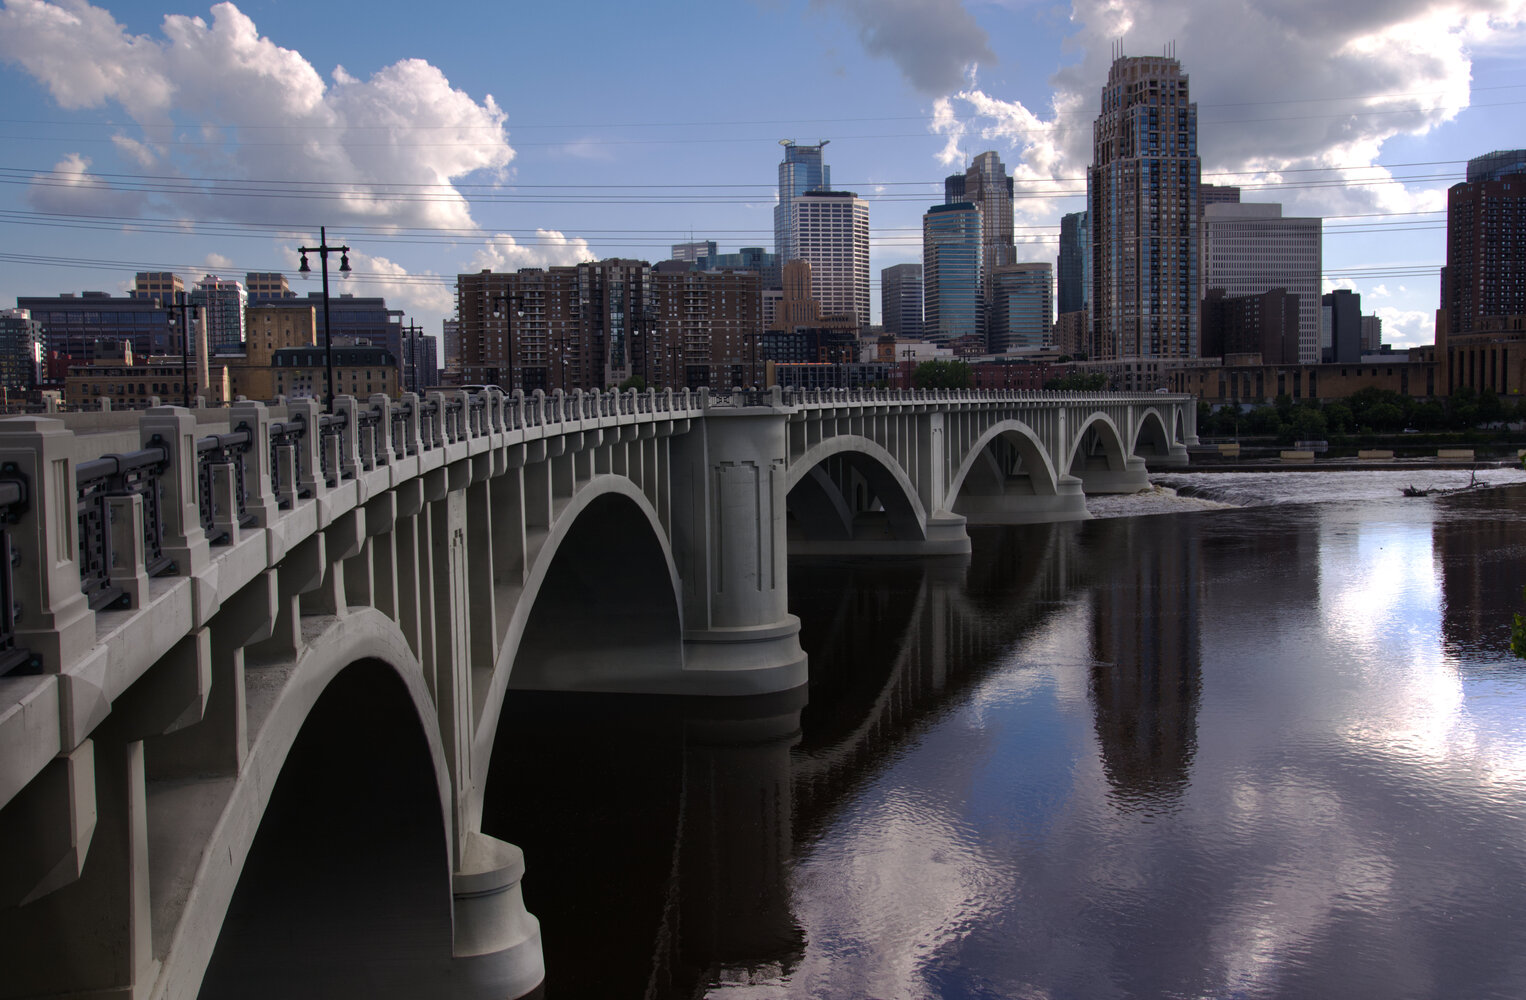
830 231
1251 248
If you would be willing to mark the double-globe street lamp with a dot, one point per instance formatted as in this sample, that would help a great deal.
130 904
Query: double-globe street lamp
323 250
506 307
413 331
182 303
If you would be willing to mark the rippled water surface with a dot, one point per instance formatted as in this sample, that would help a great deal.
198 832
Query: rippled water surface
1275 751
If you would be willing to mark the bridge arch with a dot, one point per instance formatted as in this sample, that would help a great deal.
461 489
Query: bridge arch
362 650
606 548
1152 435
1007 476
1041 474
1098 455
827 505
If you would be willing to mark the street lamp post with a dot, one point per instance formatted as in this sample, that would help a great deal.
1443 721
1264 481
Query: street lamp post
412 331
185 349
323 250
502 309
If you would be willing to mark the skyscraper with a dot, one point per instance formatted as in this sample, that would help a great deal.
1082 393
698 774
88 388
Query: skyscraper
1479 343
1021 307
1485 273
1075 261
694 251
1249 248
224 300
1142 196
951 273
1341 327
830 230
987 185
901 300
801 170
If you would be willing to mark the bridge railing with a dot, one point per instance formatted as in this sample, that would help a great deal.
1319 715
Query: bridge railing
246 465
14 658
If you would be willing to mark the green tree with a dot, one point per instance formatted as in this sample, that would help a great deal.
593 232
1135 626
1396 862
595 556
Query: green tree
1263 421
634 382
1308 423
942 375
1518 632
1338 418
1490 409
1429 416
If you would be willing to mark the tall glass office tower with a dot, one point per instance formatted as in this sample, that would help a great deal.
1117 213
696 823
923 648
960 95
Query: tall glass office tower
951 273
802 170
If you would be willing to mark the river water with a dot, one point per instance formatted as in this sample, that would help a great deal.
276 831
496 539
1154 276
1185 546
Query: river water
1251 735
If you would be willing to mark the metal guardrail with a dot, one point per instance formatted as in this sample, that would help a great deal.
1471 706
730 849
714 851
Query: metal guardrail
284 438
226 450
14 658
135 473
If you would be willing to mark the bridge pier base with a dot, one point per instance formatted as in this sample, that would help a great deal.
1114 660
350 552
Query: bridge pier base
497 941
1132 478
1066 503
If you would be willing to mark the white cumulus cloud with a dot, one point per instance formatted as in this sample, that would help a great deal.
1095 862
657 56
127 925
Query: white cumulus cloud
384 150
1346 78
549 249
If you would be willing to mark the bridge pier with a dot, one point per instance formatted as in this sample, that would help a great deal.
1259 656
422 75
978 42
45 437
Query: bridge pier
729 536
1026 506
1132 478
497 953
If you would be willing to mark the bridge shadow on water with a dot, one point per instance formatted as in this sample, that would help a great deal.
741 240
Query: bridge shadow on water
659 832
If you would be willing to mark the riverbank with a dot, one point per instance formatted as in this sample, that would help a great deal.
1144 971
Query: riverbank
1220 488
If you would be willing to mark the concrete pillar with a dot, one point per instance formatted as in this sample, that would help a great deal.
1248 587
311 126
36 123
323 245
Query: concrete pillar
92 936
184 540
728 518
497 942
55 622
259 502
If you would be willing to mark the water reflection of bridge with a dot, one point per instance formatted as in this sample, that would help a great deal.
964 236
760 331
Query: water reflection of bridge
702 851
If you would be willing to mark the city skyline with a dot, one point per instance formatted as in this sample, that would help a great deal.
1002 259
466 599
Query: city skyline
413 163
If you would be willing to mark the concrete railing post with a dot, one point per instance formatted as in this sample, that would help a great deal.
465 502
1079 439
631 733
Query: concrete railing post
348 438
259 499
381 444
55 622
184 541
309 446
411 402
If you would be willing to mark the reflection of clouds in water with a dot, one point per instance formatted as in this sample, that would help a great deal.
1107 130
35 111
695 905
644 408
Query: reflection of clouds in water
1382 596
908 873
888 896
1349 827
1301 860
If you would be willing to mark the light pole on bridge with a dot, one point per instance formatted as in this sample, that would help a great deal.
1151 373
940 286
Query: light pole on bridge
323 250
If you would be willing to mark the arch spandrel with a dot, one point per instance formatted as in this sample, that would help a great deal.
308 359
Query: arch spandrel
277 713
494 687
893 486
1029 444
1113 451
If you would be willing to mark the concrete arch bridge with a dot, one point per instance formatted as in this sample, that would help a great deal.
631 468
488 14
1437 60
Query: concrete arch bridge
218 625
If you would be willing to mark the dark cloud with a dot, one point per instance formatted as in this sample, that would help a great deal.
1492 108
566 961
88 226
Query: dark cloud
932 42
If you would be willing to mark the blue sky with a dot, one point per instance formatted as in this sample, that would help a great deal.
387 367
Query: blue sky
217 139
